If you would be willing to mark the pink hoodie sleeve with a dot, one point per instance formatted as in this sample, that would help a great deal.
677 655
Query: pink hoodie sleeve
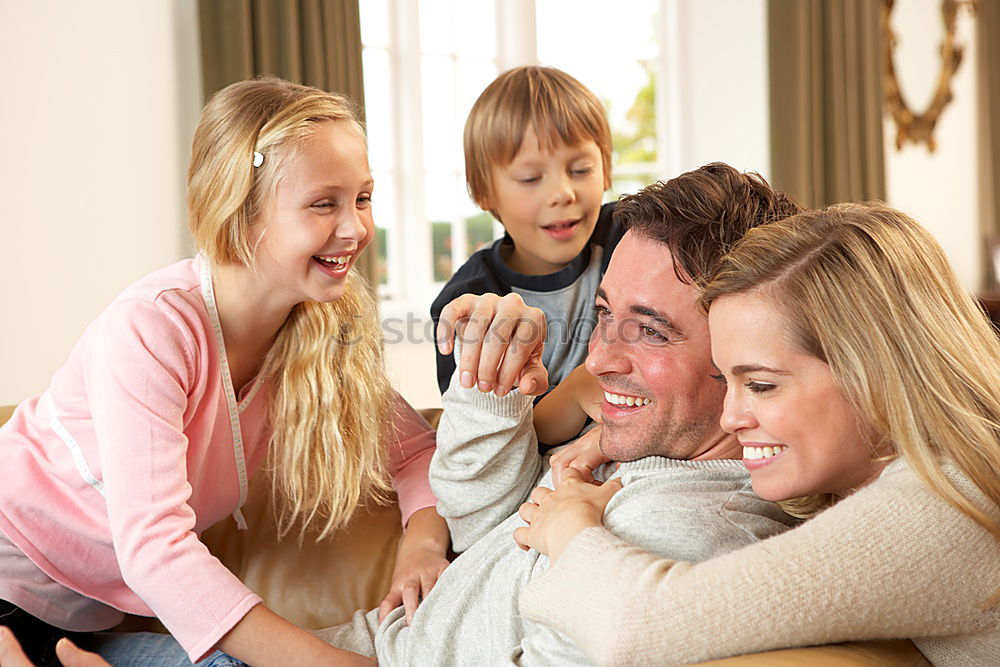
409 458
137 376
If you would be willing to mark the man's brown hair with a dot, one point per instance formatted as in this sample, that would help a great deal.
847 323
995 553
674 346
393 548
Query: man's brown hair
699 215
553 103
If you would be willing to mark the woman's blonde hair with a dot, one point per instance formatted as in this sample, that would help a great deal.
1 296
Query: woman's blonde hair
330 400
870 292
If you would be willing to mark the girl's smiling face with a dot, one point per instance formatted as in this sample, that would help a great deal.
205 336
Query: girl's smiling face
799 433
319 217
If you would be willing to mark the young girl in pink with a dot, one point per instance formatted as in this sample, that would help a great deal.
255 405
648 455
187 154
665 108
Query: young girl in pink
265 350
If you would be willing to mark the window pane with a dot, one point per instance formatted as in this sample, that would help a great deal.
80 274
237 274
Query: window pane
378 107
478 232
384 213
442 132
471 78
441 207
441 249
439 196
567 33
437 26
475 36
374 23
625 184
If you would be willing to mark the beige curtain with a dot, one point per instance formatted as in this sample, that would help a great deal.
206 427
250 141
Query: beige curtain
988 39
826 100
315 42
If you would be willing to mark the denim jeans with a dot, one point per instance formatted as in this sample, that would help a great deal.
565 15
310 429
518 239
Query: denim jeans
152 649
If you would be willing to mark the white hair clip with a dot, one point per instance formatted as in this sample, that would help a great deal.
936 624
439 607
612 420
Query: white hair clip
258 159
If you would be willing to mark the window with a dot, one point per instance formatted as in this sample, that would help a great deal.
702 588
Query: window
425 63
579 41
423 70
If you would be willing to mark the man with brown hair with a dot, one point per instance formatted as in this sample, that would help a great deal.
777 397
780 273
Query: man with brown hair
685 494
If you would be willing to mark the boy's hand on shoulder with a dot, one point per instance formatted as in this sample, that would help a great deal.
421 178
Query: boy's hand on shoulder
583 455
502 342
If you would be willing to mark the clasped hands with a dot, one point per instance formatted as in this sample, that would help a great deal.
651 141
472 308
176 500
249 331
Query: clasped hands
556 517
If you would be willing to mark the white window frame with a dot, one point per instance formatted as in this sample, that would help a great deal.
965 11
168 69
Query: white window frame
410 287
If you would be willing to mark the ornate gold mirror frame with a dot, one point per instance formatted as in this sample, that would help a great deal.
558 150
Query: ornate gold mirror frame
919 127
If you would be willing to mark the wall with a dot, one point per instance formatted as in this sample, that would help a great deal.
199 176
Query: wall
719 52
939 189
107 95
102 100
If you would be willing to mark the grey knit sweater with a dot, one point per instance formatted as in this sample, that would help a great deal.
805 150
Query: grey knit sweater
486 464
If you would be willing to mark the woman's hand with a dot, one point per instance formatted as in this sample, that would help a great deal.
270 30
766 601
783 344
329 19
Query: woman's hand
419 562
583 455
11 654
556 517
502 341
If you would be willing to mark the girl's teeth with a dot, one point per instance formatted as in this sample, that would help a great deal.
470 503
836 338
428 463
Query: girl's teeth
338 261
631 401
753 453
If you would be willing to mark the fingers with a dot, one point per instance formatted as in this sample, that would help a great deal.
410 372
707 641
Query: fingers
571 473
521 536
586 462
503 341
451 315
559 462
70 655
392 600
539 493
427 581
534 379
411 598
11 654
585 470
473 334
527 511
522 361
500 337
612 487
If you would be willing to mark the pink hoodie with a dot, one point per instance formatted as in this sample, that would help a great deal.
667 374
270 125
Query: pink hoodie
108 494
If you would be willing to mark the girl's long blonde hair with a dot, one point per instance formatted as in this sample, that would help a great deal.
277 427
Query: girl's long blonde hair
330 400
870 292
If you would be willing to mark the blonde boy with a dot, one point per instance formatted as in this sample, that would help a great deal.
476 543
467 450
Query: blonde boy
538 157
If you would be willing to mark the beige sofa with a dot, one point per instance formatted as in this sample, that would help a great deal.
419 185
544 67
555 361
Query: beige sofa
321 584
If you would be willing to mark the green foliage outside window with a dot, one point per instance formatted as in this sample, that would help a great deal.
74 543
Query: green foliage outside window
478 232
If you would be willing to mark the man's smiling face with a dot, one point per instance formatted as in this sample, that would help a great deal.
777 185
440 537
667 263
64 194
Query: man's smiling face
651 345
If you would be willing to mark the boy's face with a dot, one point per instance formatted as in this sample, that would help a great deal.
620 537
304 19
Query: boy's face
548 201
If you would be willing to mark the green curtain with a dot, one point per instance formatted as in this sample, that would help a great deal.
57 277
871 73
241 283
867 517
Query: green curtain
988 40
826 100
314 42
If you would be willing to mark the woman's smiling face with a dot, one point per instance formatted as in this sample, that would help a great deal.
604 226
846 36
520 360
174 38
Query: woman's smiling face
799 433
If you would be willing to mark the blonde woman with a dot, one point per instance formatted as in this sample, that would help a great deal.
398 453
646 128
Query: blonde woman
859 375
265 350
